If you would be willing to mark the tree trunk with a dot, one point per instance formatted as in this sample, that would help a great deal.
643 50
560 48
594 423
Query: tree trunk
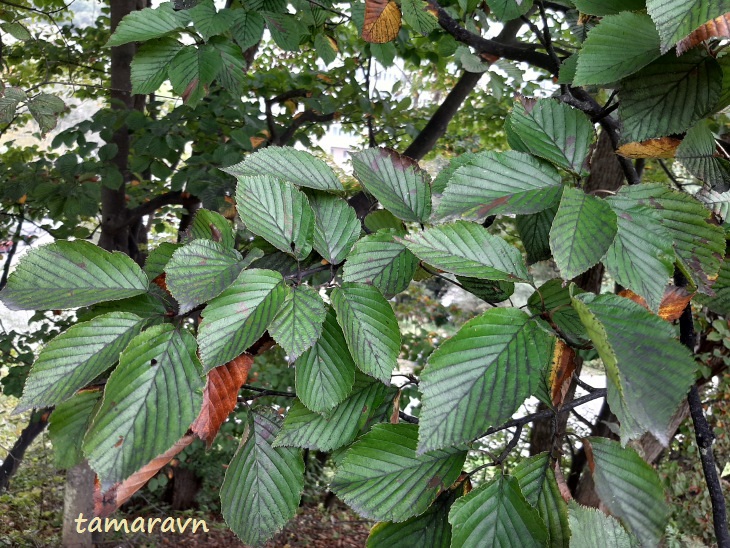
78 499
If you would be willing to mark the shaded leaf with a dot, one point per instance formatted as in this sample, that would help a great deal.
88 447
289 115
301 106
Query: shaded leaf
209 225
506 10
534 231
697 153
674 301
208 21
146 24
192 70
487 290
149 66
420 16
67 426
676 19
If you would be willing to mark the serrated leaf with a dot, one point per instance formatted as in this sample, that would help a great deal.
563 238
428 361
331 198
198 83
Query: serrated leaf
379 260
396 181
720 303
382 477
536 478
554 299
9 99
326 48
192 70
583 230
233 65
468 249
76 357
146 24
591 528
634 345
325 373
291 165
298 324
69 275
697 152
370 328
339 427
419 16
336 227
208 21
675 19
479 377
209 225
159 366
534 231
496 515
248 27
67 426
554 131
263 484
236 318
619 46
16 30
45 109
149 66
629 487
158 259
278 212
641 256
669 95
499 182
608 7
506 10
487 290
286 30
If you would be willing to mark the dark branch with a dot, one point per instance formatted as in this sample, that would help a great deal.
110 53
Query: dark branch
306 117
12 251
267 392
174 197
36 425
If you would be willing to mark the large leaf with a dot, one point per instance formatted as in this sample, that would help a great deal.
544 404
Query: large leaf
641 256
382 21
634 346
276 211
554 131
326 372
553 300
675 19
379 260
629 487
382 477
499 182
534 231
618 47
263 484
591 528
370 328
67 426
192 70
248 27
307 429
146 24
496 515
468 249
199 271
396 181
235 319
69 275
336 227
480 376
669 95
149 66
289 164
698 153
298 324
583 229
149 402
537 482
75 358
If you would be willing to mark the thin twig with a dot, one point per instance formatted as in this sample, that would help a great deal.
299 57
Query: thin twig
12 251
267 392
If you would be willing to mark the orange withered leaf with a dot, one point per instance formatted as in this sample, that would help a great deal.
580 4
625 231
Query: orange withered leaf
675 300
220 396
382 21
160 282
717 28
664 147
561 372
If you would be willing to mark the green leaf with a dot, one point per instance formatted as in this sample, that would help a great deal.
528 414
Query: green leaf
286 30
698 153
17 31
236 318
669 95
291 165
479 377
370 328
396 181
554 299
67 426
487 290
209 225
496 515
45 109
619 46
554 131
146 24
641 257
378 260
76 357
325 373
199 271
278 212
499 182
233 65
583 230
382 477
69 275
676 19
263 484
720 303
629 487
305 428
149 402
699 245
298 324
591 528
336 227
417 15
192 70
506 10
149 66
248 27
537 481
534 231
608 7
468 249
382 218
442 179
634 344
566 73
208 21
9 100
326 48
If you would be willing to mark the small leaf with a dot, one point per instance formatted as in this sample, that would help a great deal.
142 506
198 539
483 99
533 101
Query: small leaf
674 301
382 218
487 290
419 16
146 24
209 225
45 109
608 7
248 27
298 324
663 147
336 227
17 31
382 21
67 426
158 258
719 27
10 98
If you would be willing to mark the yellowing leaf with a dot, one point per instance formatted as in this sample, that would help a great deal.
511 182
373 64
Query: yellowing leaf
561 372
673 303
664 147
382 21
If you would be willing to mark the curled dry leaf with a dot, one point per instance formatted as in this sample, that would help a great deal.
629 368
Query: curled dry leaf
382 21
675 300
561 372
717 28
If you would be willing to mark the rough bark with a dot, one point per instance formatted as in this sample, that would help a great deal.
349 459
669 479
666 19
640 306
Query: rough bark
78 499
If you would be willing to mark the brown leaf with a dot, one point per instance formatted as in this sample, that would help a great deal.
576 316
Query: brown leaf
562 485
220 396
382 21
106 503
395 415
160 281
717 28
663 147
673 303
561 372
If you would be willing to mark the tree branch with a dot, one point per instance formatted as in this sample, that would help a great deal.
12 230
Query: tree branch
13 250
36 425
174 197
308 116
